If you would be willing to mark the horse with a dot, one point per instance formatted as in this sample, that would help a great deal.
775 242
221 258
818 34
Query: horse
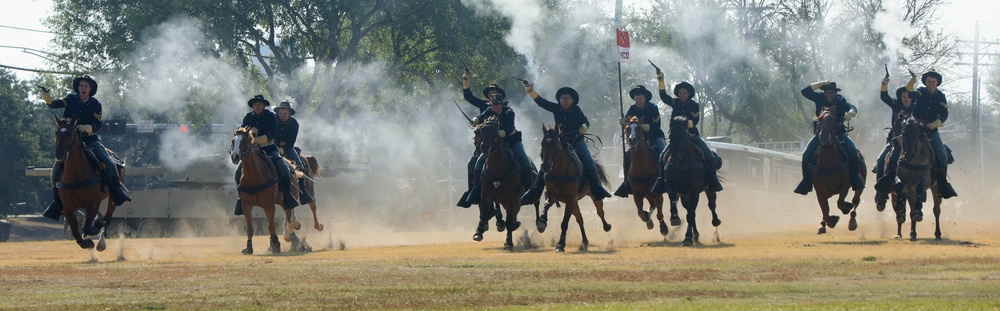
259 187
687 176
642 174
500 181
913 174
831 173
80 186
313 169
565 182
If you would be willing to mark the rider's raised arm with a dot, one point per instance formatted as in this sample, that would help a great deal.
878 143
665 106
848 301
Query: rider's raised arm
809 92
480 103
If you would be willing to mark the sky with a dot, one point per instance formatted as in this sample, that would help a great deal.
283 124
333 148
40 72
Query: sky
960 18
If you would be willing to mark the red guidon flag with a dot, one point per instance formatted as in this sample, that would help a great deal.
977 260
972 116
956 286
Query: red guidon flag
623 46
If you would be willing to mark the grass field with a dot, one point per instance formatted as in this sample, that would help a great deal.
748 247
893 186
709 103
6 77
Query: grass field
789 270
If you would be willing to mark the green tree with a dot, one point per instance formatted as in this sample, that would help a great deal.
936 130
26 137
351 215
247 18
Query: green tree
29 134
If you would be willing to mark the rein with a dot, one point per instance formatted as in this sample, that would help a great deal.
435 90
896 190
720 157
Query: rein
258 188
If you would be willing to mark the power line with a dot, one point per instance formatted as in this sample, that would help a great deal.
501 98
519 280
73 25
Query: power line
40 70
41 31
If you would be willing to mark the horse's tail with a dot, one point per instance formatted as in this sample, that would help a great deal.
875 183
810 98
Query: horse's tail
314 167
603 175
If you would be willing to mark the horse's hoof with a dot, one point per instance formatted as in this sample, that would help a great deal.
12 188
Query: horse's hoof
477 237
664 230
274 250
897 237
295 225
917 217
101 244
85 244
560 248
687 242
649 224
716 222
319 227
515 226
500 226
822 230
675 221
853 224
247 251
287 237
937 237
541 226
880 207
607 227
913 238
833 221
644 216
508 247
583 247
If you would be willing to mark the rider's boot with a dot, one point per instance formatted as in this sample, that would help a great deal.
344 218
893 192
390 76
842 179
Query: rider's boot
944 187
527 179
285 185
806 184
595 186
535 192
624 190
117 192
239 207
713 176
469 176
55 209
304 197
475 192
884 183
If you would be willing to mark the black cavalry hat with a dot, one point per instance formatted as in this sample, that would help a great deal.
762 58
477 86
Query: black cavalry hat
285 105
258 98
931 73
571 92
93 84
830 87
685 86
494 87
640 90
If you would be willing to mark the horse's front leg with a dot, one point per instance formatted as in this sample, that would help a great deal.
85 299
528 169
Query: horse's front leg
656 202
828 220
542 221
585 243
74 227
564 225
316 224
275 247
675 219
90 228
498 212
290 224
712 196
249 220
937 214
691 206
641 211
108 216
917 205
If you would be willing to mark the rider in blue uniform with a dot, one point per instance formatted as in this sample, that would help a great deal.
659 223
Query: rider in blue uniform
483 105
901 108
262 123
86 109
511 136
845 112
931 109
573 124
285 134
684 105
649 116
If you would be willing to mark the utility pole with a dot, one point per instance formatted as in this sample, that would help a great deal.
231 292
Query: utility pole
977 121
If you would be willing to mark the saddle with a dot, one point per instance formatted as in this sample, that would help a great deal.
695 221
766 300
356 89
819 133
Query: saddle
98 167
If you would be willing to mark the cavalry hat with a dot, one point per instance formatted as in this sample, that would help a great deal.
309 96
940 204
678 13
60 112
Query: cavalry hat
494 87
684 86
285 105
830 87
640 90
930 73
93 84
258 98
570 91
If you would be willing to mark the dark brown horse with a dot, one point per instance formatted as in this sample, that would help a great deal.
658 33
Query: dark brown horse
80 186
831 173
258 187
914 178
687 176
500 181
642 174
565 182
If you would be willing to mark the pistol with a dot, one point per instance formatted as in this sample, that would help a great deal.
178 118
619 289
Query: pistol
523 81
44 89
654 66
886 71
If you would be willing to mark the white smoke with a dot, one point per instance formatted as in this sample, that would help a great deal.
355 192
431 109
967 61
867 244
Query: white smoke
891 22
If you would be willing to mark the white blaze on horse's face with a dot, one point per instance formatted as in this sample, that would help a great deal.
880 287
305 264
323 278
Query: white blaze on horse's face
235 152
631 134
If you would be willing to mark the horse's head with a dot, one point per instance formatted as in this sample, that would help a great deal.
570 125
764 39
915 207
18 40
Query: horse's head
827 125
635 133
911 134
489 135
679 126
66 137
551 145
241 144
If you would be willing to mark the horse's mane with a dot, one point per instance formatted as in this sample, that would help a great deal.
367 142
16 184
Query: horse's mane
246 130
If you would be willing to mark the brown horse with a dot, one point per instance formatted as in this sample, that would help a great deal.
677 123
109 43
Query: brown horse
313 169
565 182
309 173
80 186
642 174
259 187
501 178
687 176
914 177
831 173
